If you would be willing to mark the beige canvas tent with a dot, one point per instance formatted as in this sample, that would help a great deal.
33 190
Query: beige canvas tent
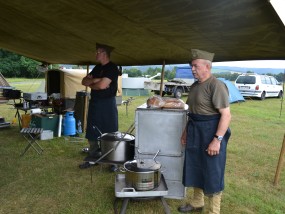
64 81
67 82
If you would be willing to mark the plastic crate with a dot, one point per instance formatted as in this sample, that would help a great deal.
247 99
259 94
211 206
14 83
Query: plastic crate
47 122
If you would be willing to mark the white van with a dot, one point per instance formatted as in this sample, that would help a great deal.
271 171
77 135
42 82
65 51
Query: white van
256 85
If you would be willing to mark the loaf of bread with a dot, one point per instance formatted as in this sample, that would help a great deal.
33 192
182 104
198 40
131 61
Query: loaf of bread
173 103
155 101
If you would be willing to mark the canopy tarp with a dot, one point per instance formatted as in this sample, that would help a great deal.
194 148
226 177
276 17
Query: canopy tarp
143 32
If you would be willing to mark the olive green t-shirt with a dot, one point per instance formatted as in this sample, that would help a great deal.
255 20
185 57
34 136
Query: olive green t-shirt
207 97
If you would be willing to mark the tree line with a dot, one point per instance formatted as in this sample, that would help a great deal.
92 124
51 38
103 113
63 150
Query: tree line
136 72
14 65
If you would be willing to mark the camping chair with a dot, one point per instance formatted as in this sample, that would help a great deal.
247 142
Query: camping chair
31 134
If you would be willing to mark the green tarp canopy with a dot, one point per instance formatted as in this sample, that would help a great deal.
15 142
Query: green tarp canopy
143 32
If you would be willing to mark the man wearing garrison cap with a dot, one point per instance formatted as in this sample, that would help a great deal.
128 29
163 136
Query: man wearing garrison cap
102 112
199 54
206 136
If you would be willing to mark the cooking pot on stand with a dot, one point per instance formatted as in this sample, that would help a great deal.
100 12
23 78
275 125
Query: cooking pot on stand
143 174
123 142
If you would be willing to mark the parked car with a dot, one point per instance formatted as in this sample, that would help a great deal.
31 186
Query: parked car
256 85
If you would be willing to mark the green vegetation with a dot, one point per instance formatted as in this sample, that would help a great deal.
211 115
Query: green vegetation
53 183
14 65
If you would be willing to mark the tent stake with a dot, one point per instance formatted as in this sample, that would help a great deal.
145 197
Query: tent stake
281 158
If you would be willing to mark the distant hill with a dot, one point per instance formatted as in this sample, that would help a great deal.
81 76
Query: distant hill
216 69
244 70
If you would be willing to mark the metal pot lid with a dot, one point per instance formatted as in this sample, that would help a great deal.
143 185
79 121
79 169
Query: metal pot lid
142 165
116 136
148 164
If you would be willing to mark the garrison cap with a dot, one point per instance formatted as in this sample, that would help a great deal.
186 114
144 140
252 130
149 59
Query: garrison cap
107 48
199 54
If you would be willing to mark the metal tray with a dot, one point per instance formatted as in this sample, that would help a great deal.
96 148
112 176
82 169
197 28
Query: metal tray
123 191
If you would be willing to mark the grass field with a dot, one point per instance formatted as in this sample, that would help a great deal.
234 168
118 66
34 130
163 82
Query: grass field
53 183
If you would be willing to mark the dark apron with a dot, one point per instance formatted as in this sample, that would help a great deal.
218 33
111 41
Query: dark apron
200 169
103 114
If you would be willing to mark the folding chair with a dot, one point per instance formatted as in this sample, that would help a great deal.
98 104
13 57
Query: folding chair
31 134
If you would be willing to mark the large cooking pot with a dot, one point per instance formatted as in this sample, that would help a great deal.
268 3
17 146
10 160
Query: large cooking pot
121 144
143 174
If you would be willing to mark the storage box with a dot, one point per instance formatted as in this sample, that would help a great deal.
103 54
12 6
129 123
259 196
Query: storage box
47 122
35 96
11 93
46 135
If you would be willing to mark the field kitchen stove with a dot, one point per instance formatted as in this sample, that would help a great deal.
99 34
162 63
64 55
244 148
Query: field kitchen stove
125 192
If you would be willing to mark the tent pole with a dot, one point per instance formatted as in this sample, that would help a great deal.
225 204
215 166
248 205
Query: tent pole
85 104
281 158
162 78
283 94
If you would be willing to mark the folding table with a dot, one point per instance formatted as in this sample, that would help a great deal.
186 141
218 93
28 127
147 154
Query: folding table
31 134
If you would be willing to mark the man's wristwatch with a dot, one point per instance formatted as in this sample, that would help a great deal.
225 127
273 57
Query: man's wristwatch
220 138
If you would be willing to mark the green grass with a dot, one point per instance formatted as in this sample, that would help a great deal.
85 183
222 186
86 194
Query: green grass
25 85
53 183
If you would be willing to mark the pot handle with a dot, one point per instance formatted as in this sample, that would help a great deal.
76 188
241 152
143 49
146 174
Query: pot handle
163 169
128 189
122 169
156 154
95 127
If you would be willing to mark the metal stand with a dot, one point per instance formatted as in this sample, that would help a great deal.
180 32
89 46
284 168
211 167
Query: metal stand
126 201
127 102
128 193
31 134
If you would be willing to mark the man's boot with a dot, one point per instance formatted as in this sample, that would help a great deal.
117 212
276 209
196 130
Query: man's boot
214 204
94 151
196 203
94 154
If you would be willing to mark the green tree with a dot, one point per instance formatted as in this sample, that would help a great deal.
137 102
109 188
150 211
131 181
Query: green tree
280 77
14 65
133 72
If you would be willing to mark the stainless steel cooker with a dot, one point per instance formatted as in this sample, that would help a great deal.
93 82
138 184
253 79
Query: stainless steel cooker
143 174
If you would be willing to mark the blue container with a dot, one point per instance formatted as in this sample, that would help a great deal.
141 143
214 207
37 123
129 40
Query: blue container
69 125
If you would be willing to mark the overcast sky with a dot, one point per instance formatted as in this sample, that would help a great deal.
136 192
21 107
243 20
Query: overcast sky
254 64
279 6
